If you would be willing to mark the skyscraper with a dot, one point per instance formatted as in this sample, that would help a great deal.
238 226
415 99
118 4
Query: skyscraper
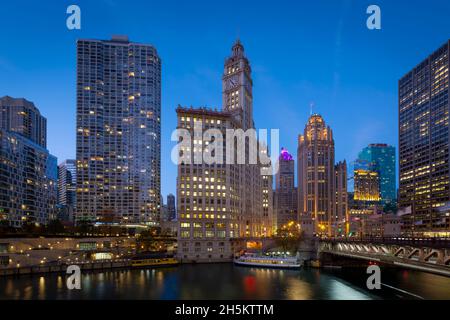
285 195
237 100
367 184
118 131
219 204
341 212
316 174
424 135
28 171
67 177
382 158
268 220
22 117
171 207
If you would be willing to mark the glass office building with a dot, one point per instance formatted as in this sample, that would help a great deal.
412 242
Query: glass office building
382 159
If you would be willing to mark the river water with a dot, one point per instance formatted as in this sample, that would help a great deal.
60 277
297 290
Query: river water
226 281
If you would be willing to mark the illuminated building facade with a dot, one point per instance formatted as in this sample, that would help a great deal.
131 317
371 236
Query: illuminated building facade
285 196
383 159
220 205
365 200
316 175
424 143
269 220
118 132
237 100
28 172
366 185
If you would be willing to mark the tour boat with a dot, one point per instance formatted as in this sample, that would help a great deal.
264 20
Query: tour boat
153 261
268 261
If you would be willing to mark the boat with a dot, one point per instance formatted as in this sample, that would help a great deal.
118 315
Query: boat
285 262
153 261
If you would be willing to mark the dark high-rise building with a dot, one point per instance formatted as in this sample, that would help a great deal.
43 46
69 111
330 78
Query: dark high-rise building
171 207
424 144
382 158
67 173
67 177
118 131
341 211
28 172
285 196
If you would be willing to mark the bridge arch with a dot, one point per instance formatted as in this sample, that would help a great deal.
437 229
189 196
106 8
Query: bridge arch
400 252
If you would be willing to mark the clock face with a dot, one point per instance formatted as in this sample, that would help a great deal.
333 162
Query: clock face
232 82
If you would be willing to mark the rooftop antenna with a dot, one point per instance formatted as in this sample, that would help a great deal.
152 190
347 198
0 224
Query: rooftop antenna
311 105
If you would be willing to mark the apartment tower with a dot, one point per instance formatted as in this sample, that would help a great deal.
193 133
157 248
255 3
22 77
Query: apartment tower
118 132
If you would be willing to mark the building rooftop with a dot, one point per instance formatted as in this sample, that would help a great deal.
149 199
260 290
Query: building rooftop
285 155
205 111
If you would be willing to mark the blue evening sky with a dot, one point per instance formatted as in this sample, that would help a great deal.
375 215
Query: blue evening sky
301 52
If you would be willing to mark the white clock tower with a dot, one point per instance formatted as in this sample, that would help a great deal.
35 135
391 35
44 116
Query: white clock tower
237 87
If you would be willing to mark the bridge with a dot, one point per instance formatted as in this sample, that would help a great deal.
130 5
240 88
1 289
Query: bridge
431 255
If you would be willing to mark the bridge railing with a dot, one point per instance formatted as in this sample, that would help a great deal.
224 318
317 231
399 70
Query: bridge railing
426 242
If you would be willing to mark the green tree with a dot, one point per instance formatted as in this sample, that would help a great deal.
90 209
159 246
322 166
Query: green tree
55 227
289 237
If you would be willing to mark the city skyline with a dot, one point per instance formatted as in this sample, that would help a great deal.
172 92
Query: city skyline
187 77
243 151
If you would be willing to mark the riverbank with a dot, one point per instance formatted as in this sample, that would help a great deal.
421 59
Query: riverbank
85 266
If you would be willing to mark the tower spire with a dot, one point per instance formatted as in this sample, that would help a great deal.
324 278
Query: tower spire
238 48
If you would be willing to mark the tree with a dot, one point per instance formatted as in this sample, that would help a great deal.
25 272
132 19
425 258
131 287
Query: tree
30 228
55 227
84 227
289 236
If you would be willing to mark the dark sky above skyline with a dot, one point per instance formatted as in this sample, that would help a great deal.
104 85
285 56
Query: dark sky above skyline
300 51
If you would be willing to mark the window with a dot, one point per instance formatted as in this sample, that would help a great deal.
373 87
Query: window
185 234
198 234
221 234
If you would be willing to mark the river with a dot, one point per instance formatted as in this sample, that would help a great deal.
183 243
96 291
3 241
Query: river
226 281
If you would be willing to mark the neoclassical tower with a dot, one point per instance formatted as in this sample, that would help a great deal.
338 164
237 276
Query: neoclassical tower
237 87
316 175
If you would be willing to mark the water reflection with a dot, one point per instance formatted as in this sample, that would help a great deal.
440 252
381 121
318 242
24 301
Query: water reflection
341 291
222 281
41 288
